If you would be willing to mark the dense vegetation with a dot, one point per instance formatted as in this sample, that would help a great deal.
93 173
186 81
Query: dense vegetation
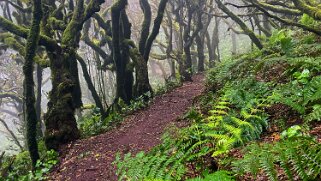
95 62
255 95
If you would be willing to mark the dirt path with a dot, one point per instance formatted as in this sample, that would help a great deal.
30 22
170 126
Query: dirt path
91 159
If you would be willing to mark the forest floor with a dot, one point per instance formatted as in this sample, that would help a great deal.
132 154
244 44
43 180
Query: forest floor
91 159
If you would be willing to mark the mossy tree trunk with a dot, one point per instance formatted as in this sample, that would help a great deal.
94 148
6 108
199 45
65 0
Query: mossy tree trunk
128 72
313 11
145 26
65 97
187 71
116 10
141 74
178 34
200 39
61 126
155 31
29 94
142 85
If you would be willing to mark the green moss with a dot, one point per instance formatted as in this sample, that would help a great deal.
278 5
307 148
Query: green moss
56 24
44 63
119 5
14 44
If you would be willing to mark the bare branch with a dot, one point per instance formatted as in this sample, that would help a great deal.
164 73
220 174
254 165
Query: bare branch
13 136
12 96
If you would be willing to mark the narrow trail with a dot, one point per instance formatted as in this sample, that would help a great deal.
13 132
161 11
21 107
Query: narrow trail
91 159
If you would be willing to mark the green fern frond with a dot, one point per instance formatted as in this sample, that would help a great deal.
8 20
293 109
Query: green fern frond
241 123
267 164
247 115
222 107
218 112
298 157
235 132
315 114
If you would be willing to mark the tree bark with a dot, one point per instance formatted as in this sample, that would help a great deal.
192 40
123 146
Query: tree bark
200 53
142 85
169 49
60 121
145 26
157 23
61 125
188 39
116 10
38 99
29 95
314 12
128 72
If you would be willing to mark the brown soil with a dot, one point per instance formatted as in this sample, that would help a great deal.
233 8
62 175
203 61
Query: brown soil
91 159
273 73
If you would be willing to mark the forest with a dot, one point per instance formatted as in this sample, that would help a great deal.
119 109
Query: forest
159 90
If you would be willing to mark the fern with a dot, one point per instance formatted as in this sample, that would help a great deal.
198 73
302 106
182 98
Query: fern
216 135
221 175
301 97
298 157
267 164
315 114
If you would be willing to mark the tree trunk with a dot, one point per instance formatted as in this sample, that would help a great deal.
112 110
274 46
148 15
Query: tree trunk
38 100
142 85
120 65
216 41
76 94
187 74
61 126
188 39
200 53
210 49
128 72
28 91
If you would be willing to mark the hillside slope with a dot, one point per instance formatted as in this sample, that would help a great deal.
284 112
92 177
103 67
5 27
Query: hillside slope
91 159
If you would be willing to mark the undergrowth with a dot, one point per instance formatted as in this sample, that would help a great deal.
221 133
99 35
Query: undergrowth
18 167
295 156
215 134
234 113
